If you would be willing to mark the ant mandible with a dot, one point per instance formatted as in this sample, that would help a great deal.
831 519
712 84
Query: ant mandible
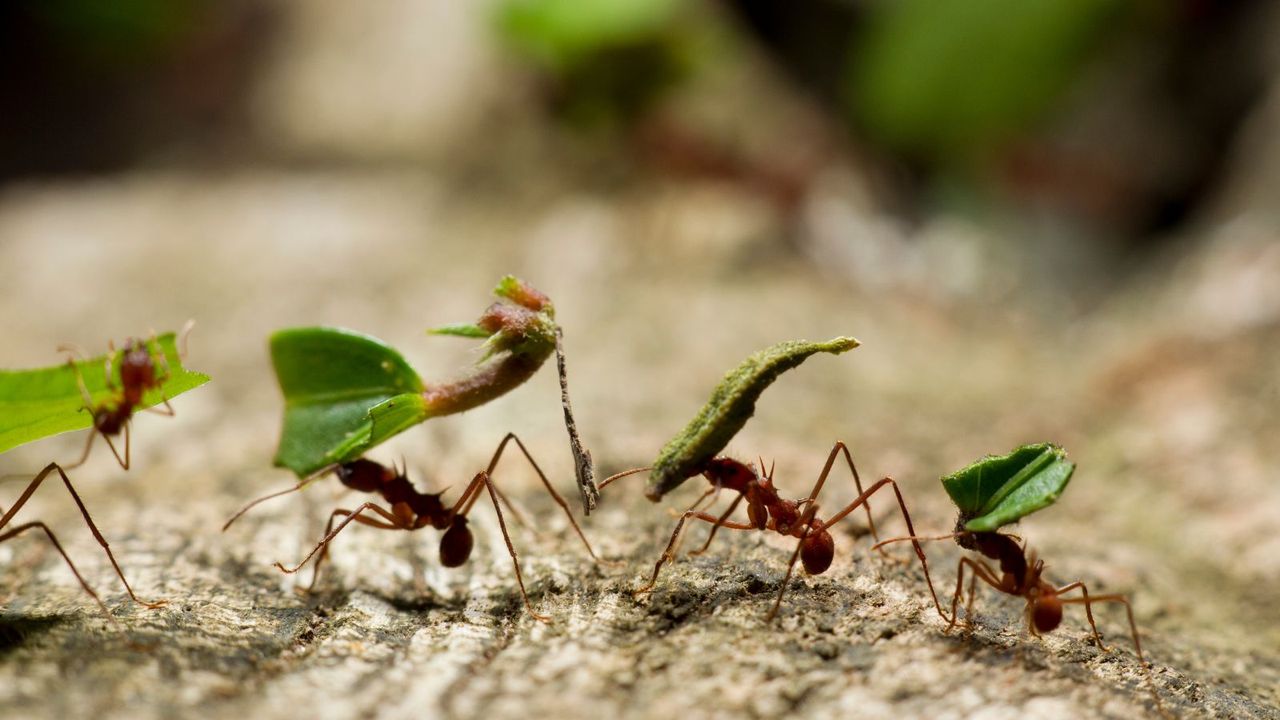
768 511
411 510
138 375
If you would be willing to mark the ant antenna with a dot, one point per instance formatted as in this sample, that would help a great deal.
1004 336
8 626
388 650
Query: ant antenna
301 484
183 334
890 541
622 474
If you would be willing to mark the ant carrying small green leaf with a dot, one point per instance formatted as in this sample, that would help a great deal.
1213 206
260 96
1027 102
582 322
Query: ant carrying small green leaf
992 493
41 402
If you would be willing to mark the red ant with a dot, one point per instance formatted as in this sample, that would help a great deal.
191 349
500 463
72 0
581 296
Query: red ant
1021 575
767 510
138 375
411 510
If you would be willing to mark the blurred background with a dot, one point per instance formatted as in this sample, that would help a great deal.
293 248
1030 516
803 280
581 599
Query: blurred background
1045 220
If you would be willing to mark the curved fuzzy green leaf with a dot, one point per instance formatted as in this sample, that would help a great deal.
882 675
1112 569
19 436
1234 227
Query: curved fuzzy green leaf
37 403
1000 489
331 378
730 406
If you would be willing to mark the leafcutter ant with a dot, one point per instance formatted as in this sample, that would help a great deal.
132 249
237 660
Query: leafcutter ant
768 511
410 509
139 373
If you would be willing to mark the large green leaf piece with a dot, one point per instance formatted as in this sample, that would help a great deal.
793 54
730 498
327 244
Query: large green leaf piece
37 403
331 379
1000 489
732 403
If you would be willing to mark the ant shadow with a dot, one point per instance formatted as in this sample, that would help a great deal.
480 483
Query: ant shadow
16 631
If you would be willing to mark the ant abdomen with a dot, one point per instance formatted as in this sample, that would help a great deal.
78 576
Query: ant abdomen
456 544
817 551
1046 613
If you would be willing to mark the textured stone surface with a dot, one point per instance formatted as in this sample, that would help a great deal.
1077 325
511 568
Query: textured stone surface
1165 392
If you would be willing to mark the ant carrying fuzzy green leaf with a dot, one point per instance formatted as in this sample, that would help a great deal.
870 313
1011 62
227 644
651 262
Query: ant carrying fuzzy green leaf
695 451
345 393
104 393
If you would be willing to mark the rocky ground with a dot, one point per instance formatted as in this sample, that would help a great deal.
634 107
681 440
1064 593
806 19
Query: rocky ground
1163 386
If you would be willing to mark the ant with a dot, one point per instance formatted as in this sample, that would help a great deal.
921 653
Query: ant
138 375
768 511
1021 575
411 510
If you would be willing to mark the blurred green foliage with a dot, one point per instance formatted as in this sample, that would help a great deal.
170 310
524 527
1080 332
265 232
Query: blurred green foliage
949 80
606 62
119 32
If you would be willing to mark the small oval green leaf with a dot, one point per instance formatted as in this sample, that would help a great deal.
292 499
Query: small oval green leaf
1001 489
331 378
730 406
47 401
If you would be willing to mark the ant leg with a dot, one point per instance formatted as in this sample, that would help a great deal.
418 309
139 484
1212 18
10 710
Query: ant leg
58 546
717 524
483 477
168 410
124 463
840 447
545 483
911 532
330 535
88 445
807 520
1088 601
324 554
978 570
84 512
669 553
183 334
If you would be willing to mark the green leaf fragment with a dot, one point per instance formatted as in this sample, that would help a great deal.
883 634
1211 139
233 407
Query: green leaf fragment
466 330
1001 489
730 406
47 401
331 378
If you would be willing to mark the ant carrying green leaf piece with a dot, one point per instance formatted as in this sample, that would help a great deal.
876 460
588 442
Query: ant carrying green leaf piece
994 492
695 452
345 393
103 393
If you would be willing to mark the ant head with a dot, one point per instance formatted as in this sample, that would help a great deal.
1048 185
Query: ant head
363 475
109 420
456 543
816 551
1046 609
